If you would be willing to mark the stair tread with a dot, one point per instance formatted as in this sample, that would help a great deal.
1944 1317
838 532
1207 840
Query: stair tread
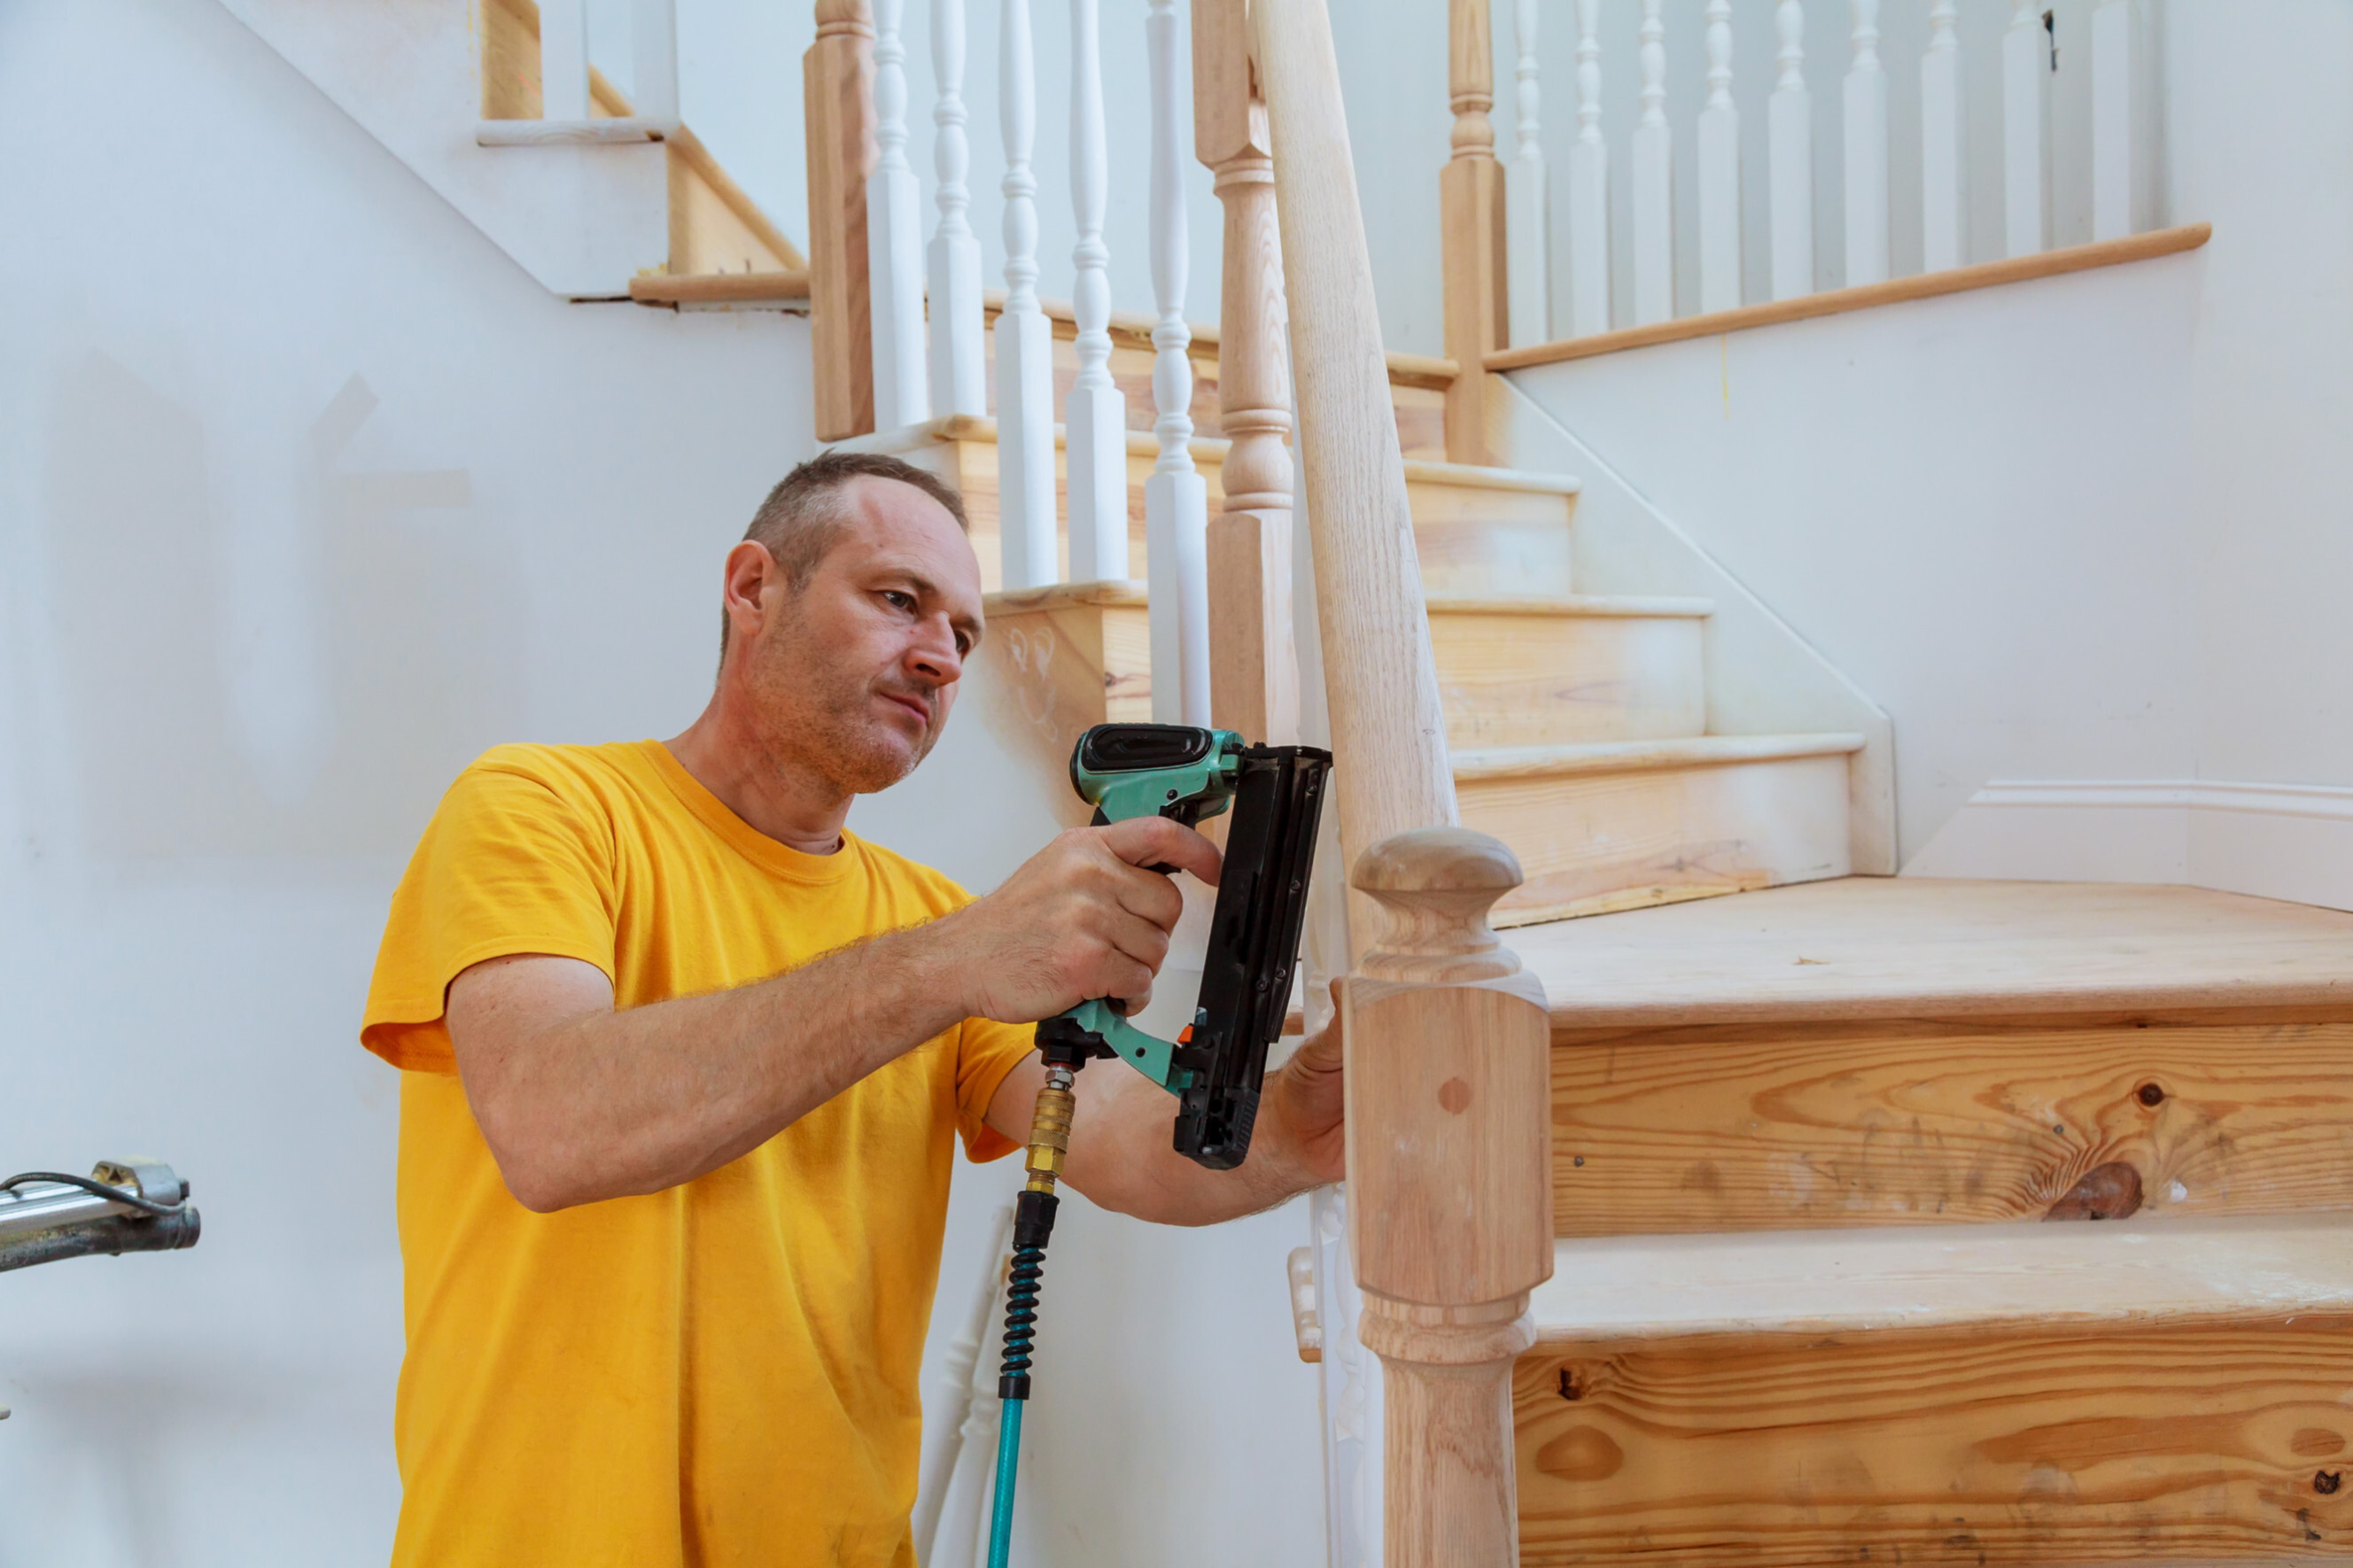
1831 1282
1597 604
1861 948
1637 756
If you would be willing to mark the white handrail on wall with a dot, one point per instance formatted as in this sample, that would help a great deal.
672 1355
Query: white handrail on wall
565 116
1660 266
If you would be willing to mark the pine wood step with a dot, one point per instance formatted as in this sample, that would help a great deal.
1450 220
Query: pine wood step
1533 671
2150 1392
1885 1051
1620 824
1480 531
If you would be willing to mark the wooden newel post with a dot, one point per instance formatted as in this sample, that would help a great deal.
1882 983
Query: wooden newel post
837 111
1449 1170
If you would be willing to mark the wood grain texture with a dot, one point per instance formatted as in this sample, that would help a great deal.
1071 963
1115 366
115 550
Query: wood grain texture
714 225
1489 541
1924 949
1831 301
838 108
721 288
1387 726
1762 1128
2191 1441
1472 246
1620 837
1056 660
1534 673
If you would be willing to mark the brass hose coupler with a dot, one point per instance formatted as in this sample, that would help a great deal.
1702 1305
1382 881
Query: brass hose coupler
1050 1128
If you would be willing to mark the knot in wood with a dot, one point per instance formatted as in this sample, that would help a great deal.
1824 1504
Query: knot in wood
1437 885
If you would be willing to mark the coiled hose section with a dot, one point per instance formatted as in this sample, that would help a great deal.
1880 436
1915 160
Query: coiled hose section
1033 1227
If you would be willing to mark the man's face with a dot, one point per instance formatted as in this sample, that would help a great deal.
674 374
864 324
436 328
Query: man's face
852 675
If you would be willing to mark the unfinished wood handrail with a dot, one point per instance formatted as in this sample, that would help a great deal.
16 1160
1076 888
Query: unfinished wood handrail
1253 677
838 88
1471 229
1448 1065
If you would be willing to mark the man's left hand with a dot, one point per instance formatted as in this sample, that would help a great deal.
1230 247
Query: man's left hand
1304 1103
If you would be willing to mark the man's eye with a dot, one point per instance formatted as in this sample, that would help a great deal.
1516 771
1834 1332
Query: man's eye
897 600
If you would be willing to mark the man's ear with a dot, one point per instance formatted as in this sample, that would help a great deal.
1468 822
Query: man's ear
751 571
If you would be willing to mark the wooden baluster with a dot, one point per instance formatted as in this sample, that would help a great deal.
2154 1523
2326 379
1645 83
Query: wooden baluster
2111 159
959 358
1025 342
653 60
1944 165
1527 222
1176 497
563 59
1253 677
895 247
1448 1092
1588 186
2025 60
838 108
1719 171
1790 155
1654 180
1866 150
1471 241
1095 418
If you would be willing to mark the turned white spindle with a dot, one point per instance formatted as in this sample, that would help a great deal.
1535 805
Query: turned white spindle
1719 169
2025 61
2112 161
1588 186
894 244
959 357
1790 156
1025 342
1866 150
1527 220
1095 418
653 59
1943 165
1176 497
1653 174
563 59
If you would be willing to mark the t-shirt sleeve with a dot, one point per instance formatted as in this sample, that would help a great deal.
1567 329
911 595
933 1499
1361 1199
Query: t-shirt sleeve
509 863
986 1052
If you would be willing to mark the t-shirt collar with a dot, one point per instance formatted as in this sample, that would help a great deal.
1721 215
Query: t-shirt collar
747 840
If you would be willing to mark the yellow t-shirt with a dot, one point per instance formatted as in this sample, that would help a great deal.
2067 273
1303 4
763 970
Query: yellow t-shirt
721 1373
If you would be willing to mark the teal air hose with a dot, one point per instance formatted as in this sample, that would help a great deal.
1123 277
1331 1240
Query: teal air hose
1033 1227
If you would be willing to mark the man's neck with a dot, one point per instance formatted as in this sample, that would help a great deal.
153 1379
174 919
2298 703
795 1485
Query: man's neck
775 795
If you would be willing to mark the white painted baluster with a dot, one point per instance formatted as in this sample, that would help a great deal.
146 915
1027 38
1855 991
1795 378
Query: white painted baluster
1176 497
563 59
1654 188
2024 61
959 357
1025 342
2112 161
1588 186
1866 150
1790 155
894 244
1719 171
653 60
1943 168
1527 220
1096 415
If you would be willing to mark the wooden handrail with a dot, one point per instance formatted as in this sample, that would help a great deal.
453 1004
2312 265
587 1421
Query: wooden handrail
1471 230
838 88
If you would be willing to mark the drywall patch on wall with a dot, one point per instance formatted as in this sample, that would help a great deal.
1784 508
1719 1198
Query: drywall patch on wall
2273 840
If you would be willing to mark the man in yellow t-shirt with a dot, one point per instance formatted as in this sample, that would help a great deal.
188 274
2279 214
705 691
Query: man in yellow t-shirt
684 1059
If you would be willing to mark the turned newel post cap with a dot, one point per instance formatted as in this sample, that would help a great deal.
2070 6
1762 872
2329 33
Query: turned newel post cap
1437 885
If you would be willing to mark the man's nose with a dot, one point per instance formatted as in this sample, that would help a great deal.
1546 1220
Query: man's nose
933 656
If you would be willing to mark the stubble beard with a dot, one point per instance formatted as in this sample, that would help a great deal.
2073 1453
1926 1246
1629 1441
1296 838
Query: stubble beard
820 719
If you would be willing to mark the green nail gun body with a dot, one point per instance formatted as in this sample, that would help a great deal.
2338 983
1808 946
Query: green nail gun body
1215 1067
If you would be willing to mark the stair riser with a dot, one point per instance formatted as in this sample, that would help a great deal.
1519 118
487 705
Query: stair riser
2200 1441
1766 1129
1591 844
1552 680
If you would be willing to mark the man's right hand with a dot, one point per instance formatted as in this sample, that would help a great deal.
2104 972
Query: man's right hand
1083 917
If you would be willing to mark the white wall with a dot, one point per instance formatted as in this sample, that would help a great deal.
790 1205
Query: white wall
307 494
2086 530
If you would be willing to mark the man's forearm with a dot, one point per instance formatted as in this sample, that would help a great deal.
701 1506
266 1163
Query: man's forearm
1122 1156
605 1103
